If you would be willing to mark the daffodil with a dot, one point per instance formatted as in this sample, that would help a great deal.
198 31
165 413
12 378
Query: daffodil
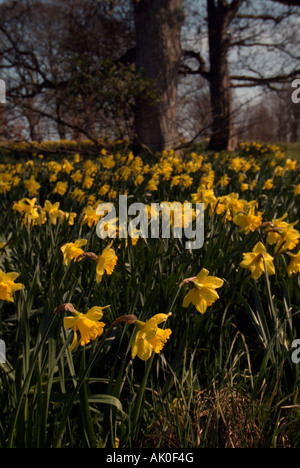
297 190
289 239
89 216
152 184
104 190
8 286
224 181
77 158
70 217
61 188
279 171
236 205
256 261
28 211
204 292
248 220
244 187
204 195
283 234
78 194
291 165
150 338
236 164
32 186
5 183
268 185
51 211
72 250
88 182
67 166
277 225
87 325
294 266
106 262
77 176
138 180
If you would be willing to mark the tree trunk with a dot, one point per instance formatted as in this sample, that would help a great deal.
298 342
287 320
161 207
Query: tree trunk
33 121
158 29
223 136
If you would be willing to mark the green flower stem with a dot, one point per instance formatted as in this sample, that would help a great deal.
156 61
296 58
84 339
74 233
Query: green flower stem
27 380
84 376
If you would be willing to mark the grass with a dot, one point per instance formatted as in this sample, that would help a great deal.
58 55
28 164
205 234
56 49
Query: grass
223 379
291 150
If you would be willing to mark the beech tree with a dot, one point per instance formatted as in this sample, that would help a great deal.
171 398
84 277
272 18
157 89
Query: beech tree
158 50
220 14
59 62
248 31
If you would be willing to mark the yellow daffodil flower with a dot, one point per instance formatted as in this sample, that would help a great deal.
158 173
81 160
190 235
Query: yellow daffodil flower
8 287
224 181
72 250
297 190
279 171
78 194
32 186
87 325
289 239
70 217
28 211
244 187
77 176
149 338
204 195
294 266
204 292
67 166
76 158
104 190
256 260
268 185
249 220
152 184
89 216
283 234
106 262
291 165
52 211
61 188
88 182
